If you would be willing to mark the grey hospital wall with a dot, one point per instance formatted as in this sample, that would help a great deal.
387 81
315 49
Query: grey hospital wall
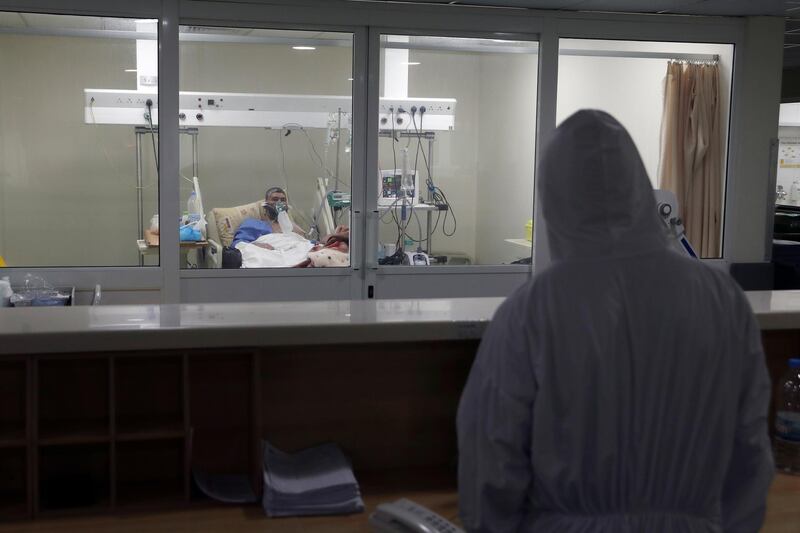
68 188
238 164
446 75
486 165
506 156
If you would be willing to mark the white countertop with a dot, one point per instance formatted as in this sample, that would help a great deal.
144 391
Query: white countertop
776 309
147 327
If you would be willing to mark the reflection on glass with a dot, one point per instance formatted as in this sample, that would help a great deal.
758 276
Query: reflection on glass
456 150
787 187
78 174
627 80
266 137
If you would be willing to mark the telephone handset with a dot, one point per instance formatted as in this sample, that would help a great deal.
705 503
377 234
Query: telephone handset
405 516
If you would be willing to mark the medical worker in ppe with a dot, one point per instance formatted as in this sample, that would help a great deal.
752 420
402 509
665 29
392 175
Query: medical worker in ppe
623 389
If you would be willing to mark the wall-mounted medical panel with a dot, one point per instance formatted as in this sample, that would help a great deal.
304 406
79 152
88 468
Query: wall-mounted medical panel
115 106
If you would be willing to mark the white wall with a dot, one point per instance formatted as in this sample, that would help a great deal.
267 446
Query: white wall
506 156
631 89
445 75
68 188
237 165
485 166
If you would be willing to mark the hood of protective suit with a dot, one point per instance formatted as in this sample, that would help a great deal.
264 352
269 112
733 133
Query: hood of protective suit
597 199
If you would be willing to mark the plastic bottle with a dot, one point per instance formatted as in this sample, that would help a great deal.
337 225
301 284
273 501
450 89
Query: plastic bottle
284 220
192 208
5 292
787 420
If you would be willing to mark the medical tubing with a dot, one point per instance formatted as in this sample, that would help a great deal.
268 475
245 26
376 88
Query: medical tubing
149 105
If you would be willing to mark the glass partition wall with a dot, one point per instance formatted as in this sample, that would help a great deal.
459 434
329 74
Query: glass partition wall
434 174
78 170
674 99
266 143
455 151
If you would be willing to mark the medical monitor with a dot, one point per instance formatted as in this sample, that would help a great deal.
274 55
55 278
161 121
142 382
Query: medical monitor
389 187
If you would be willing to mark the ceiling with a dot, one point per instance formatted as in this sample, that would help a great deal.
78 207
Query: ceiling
681 7
787 8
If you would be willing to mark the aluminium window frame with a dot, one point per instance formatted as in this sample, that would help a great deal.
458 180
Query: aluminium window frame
366 21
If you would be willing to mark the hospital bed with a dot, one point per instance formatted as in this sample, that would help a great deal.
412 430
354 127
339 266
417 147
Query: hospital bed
221 227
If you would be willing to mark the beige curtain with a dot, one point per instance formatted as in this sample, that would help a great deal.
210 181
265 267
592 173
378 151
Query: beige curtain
691 151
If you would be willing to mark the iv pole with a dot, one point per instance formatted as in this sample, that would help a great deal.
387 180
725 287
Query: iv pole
430 136
141 131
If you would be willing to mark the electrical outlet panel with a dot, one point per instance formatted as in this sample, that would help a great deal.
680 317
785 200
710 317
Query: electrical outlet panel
111 106
421 114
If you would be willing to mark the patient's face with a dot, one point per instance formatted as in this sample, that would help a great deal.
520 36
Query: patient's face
276 197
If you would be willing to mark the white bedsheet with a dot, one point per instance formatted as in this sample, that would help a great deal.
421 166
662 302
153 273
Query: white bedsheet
290 249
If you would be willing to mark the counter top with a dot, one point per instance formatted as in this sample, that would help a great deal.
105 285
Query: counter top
143 327
776 309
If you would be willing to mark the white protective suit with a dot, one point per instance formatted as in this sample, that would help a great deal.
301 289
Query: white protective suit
623 389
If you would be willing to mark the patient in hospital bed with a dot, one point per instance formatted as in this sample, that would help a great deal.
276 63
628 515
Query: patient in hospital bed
285 250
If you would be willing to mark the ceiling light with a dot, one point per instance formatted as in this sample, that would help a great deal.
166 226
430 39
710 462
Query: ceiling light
130 70
412 63
349 79
304 47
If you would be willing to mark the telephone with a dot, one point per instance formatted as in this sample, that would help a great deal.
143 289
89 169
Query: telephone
405 516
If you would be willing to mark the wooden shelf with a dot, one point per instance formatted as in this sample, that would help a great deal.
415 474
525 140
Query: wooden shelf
13 400
150 473
74 476
60 432
19 442
163 434
91 434
13 483
148 395
75 439
73 400
221 413
11 511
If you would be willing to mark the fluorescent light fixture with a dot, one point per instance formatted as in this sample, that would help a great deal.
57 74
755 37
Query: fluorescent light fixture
304 47
130 70
349 79
412 63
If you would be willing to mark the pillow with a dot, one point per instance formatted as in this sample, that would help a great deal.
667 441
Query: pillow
228 219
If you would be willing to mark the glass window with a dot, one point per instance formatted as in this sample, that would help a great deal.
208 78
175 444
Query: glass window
74 191
266 121
787 186
456 150
645 85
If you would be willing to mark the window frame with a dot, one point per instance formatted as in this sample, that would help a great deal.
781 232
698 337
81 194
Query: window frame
168 283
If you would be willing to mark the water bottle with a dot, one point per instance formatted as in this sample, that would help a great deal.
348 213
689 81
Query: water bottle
283 218
5 292
787 420
191 205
